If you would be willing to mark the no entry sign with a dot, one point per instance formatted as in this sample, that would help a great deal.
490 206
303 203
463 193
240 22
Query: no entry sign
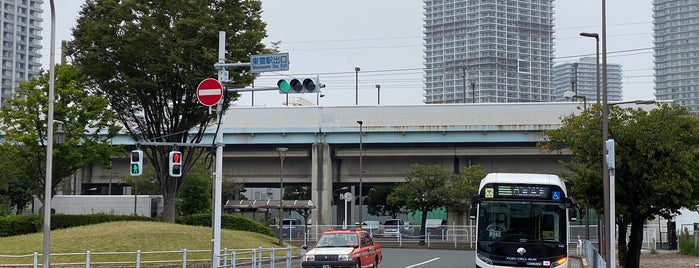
209 92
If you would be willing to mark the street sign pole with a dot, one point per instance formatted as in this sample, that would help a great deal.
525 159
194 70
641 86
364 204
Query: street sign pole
216 215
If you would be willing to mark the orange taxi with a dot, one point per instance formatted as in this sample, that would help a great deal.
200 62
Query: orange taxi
351 248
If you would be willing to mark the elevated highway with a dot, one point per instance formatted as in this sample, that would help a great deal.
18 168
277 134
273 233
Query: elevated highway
323 143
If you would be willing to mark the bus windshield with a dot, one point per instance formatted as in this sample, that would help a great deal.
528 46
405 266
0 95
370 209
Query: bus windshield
522 222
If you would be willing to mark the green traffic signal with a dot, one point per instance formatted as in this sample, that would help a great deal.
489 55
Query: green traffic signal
284 86
136 162
135 169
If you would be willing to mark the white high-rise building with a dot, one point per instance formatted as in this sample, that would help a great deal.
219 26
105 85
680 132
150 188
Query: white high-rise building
21 43
504 48
581 78
676 57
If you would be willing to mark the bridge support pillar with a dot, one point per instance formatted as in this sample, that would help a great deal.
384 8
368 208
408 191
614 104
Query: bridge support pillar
321 184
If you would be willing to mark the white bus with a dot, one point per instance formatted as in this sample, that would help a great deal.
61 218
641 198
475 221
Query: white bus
522 221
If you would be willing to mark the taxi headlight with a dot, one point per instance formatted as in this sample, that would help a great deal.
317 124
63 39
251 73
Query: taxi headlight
309 258
343 257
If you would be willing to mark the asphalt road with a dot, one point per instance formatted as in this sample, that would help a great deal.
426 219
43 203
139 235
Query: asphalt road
418 258
421 258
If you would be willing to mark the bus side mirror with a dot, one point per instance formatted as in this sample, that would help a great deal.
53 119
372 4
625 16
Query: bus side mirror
572 208
475 200
573 214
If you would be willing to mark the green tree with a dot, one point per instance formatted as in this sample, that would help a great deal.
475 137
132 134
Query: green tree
463 188
378 205
656 166
425 189
196 193
84 118
147 58
299 192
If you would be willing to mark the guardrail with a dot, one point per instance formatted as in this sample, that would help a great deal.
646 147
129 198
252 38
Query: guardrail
255 258
594 259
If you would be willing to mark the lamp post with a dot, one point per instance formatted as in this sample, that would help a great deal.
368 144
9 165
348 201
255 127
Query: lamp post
473 88
361 155
282 155
463 81
596 36
574 81
356 85
608 205
49 146
378 94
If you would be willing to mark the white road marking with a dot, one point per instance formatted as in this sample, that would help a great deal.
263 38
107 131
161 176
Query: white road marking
424 262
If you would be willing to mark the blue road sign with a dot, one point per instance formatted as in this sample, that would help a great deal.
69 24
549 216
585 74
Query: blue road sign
269 62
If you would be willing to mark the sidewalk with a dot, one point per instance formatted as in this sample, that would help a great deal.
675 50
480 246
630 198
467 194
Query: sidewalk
576 262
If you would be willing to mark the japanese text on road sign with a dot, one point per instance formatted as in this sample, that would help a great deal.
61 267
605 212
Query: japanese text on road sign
269 62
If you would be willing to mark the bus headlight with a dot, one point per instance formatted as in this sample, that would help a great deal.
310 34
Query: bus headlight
484 259
559 262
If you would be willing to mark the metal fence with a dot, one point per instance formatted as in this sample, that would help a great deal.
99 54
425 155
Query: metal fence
584 240
255 258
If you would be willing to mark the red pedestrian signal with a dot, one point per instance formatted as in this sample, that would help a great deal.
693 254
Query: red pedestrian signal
175 164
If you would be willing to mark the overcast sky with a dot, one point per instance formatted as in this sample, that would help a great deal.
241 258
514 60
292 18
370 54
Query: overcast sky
330 38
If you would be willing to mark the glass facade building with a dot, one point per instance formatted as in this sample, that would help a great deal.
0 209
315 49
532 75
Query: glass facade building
676 55
488 50
21 43
581 78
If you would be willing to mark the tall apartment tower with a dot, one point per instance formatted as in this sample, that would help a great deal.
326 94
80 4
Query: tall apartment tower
488 51
581 78
21 43
676 40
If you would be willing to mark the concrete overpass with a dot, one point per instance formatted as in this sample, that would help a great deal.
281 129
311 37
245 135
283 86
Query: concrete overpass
323 144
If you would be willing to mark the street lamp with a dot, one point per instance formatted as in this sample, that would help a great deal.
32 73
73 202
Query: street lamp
49 146
356 85
574 81
378 94
608 205
361 154
596 36
463 82
282 155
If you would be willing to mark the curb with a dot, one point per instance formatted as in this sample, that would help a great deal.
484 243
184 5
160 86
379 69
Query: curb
584 262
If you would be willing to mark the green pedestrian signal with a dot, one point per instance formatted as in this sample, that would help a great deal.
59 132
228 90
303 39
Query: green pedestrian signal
136 163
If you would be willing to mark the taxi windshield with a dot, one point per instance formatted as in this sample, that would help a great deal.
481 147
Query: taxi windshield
337 240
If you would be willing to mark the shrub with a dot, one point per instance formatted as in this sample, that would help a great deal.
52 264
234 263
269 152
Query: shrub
686 243
26 224
228 221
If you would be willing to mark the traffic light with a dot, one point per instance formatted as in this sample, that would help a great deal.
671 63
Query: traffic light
136 163
298 85
175 160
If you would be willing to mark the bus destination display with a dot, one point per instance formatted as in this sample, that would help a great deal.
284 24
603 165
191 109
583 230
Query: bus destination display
526 191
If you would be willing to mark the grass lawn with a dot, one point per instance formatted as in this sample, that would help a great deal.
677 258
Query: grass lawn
130 236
